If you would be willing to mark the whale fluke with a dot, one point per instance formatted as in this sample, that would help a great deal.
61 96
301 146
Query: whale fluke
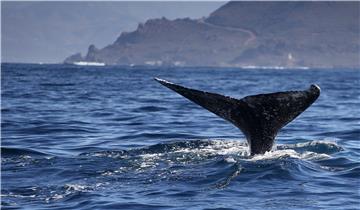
259 117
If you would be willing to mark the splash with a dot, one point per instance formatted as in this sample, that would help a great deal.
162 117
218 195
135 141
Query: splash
233 149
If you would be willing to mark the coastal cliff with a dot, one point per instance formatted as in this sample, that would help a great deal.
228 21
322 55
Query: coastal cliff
243 34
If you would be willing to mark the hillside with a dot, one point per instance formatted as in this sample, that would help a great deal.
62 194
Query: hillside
290 34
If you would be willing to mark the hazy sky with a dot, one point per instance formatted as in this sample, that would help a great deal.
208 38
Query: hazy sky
50 31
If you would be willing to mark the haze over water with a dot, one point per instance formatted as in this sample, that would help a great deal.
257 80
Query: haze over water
113 138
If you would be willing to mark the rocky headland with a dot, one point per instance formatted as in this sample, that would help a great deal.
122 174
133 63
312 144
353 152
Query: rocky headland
243 34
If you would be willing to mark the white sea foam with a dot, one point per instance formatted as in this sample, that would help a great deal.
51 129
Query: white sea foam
275 67
219 147
232 150
84 63
17 195
314 143
72 188
230 160
239 149
288 153
76 187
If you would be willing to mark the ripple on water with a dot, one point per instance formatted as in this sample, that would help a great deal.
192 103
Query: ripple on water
103 138
205 165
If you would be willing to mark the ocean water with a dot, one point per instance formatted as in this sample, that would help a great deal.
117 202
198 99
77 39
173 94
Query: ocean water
113 138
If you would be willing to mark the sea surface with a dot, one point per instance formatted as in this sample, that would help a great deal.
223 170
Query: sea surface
113 138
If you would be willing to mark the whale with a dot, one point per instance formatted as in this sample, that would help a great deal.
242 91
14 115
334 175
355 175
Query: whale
259 117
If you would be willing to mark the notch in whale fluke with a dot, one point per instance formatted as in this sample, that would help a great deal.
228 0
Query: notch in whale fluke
259 117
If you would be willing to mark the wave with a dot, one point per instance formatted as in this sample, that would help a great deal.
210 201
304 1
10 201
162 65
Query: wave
56 128
204 149
11 151
313 150
149 109
326 147
199 165
57 84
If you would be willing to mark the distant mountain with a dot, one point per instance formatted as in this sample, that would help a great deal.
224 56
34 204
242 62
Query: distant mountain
48 31
289 34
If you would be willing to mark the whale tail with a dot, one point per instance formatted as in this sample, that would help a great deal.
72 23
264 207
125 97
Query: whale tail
259 117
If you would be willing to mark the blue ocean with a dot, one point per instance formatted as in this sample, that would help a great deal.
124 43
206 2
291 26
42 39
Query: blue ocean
81 137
